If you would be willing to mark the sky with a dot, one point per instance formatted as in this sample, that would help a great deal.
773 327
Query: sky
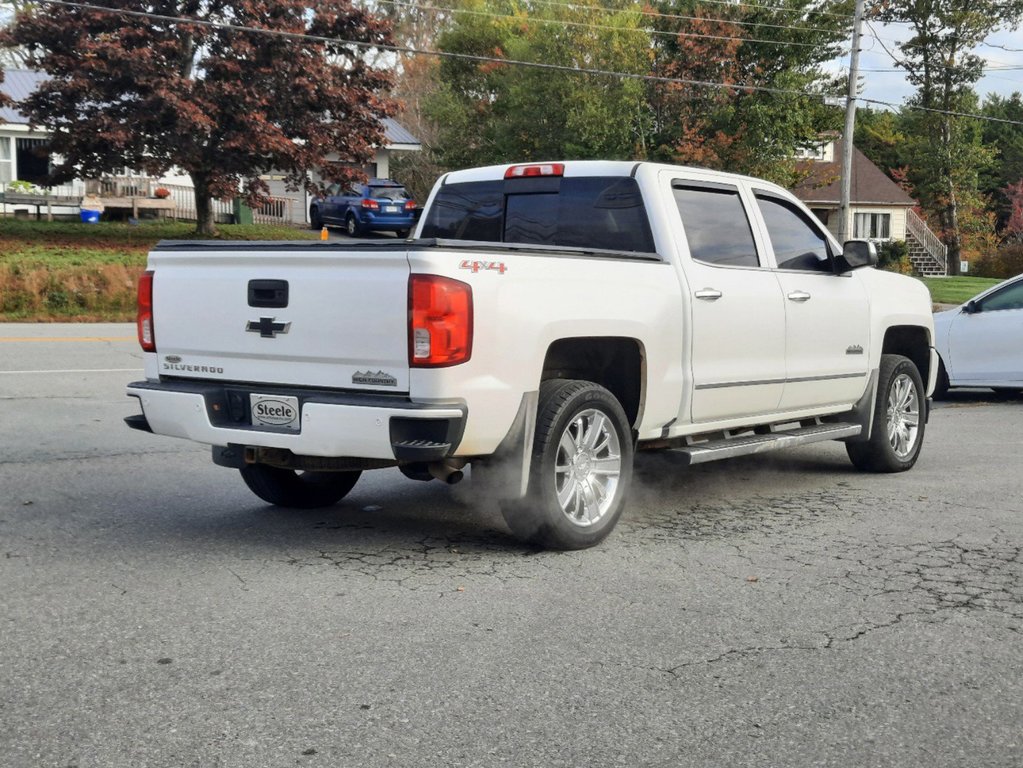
890 85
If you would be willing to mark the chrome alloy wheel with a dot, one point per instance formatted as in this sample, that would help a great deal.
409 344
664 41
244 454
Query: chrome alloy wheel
903 416
587 468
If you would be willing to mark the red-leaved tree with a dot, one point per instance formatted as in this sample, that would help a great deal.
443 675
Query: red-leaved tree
222 89
1014 226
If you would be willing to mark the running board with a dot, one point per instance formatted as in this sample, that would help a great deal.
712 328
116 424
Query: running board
726 448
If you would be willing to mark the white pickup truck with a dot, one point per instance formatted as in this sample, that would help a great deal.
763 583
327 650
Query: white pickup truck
545 321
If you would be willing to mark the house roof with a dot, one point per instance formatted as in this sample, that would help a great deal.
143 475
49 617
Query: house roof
396 133
20 83
869 183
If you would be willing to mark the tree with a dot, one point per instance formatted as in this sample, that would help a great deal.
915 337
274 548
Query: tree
212 97
938 60
490 112
1006 139
5 100
780 48
1014 224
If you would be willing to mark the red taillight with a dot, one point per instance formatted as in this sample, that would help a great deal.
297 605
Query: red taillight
372 205
440 321
543 169
410 205
147 333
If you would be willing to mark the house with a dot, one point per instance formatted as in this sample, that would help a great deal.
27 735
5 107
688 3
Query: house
881 210
25 156
23 151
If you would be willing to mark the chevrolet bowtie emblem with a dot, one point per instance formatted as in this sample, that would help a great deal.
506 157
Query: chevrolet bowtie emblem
267 327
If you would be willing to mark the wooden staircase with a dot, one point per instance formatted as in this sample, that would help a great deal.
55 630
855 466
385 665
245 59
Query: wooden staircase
927 254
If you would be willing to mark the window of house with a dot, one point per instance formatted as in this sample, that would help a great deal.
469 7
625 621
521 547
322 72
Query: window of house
874 226
717 229
798 244
6 166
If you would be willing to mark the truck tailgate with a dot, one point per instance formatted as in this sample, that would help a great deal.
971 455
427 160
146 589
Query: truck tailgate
340 322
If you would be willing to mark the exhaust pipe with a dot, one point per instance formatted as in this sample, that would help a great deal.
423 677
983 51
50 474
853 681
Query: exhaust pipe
449 472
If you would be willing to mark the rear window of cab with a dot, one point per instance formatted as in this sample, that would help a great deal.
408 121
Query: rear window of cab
589 212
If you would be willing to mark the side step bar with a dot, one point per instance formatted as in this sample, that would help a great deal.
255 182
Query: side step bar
711 450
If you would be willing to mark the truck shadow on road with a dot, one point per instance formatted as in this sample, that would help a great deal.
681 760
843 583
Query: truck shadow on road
390 518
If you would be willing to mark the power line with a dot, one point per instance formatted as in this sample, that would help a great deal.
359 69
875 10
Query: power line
584 25
660 15
492 59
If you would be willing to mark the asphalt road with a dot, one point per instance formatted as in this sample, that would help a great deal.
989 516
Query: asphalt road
781 610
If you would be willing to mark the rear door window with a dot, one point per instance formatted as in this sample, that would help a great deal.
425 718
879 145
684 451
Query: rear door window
591 212
717 229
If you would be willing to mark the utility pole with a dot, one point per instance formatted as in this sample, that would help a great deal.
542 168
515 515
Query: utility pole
845 221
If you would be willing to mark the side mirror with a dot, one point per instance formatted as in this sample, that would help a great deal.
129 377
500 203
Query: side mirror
856 254
972 307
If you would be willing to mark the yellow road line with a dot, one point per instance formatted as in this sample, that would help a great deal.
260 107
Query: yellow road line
66 338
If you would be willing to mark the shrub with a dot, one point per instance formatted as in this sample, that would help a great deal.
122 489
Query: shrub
893 256
1006 262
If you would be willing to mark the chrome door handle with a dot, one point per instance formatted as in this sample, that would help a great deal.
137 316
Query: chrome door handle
708 294
799 296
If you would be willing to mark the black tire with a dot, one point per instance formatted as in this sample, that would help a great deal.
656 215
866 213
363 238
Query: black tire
315 221
300 490
352 225
403 233
941 385
897 432
584 419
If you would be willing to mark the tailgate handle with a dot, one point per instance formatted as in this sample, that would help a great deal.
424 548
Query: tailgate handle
268 293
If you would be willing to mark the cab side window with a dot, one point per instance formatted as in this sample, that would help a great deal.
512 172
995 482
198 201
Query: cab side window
797 243
1010 297
715 222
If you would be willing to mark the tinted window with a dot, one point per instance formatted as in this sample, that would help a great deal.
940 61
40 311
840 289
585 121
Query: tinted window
583 212
716 226
388 193
471 211
1010 297
797 243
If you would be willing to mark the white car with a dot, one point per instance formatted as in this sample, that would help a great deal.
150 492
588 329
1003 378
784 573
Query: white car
981 342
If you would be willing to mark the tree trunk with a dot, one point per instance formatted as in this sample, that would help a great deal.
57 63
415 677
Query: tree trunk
204 223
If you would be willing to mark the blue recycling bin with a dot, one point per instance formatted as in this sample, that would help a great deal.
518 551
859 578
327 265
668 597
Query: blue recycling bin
90 217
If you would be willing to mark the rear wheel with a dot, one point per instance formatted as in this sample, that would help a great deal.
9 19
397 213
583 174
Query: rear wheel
315 220
301 490
897 432
352 226
580 471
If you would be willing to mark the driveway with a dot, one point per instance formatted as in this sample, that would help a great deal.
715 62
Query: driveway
776 610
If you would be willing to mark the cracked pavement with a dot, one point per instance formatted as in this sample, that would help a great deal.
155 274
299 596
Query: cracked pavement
777 610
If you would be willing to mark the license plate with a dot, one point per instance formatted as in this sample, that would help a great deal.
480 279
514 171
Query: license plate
390 209
275 411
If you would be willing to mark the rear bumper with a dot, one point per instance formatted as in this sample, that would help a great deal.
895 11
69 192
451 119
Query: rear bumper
332 423
386 222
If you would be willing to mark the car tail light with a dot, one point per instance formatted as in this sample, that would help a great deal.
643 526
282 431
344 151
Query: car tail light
372 205
440 321
147 333
410 205
543 169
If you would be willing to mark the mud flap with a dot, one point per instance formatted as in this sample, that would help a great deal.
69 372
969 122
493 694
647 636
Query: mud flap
505 473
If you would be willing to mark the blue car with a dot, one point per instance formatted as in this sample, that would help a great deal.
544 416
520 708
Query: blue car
381 205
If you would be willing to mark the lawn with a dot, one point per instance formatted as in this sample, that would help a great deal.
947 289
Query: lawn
70 271
957 290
